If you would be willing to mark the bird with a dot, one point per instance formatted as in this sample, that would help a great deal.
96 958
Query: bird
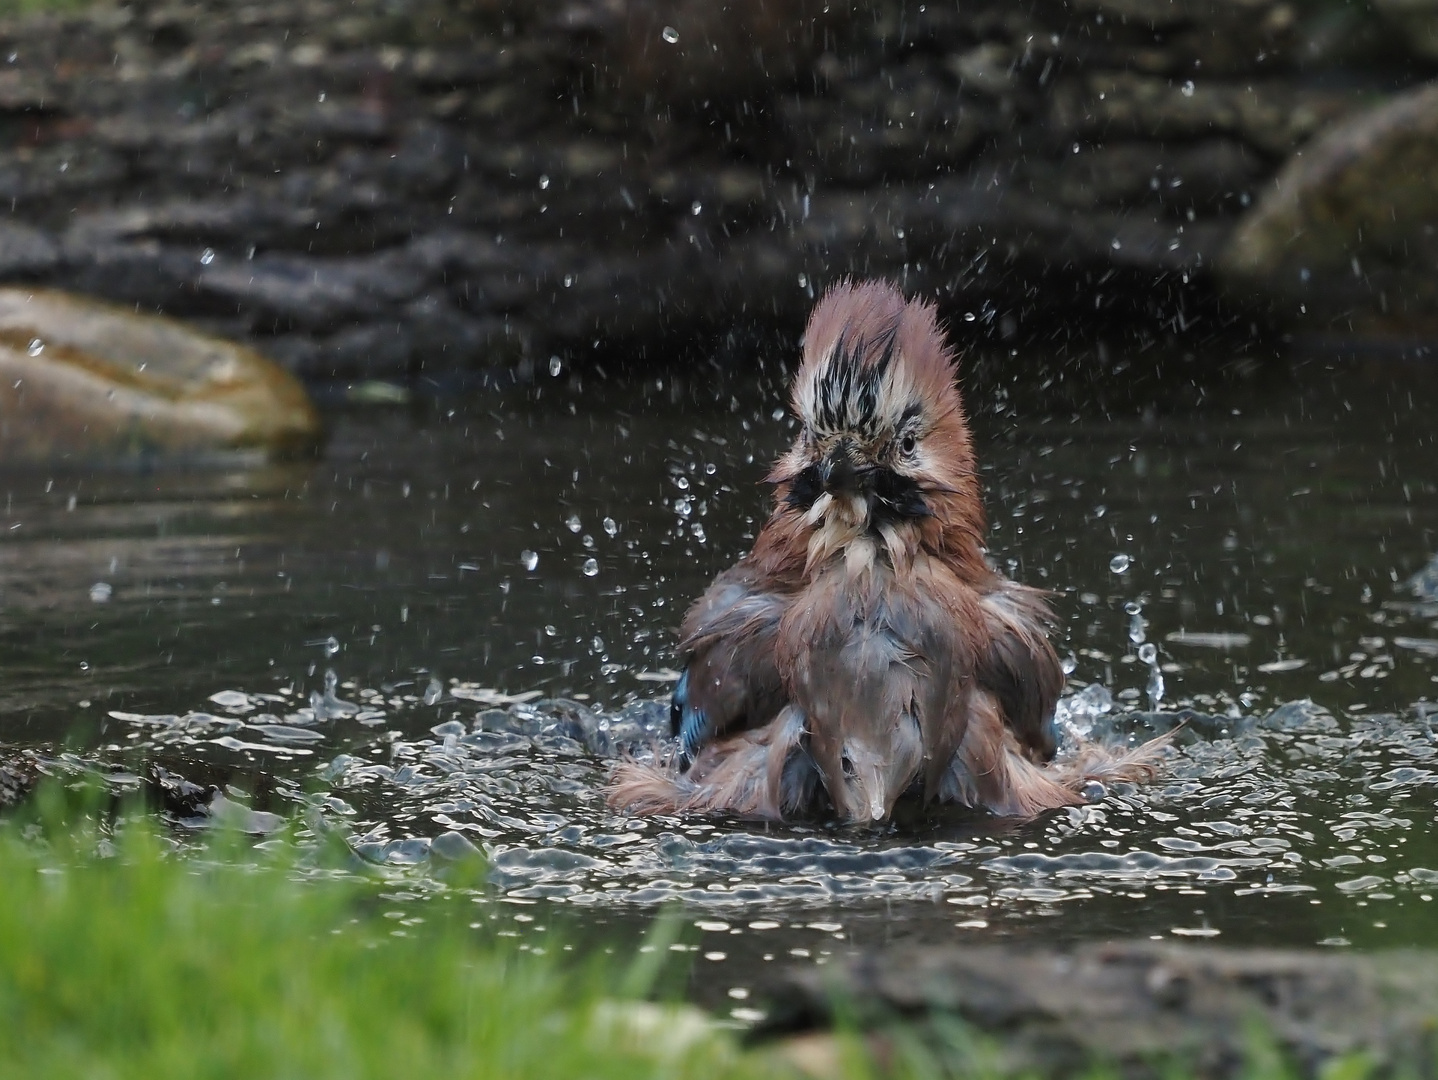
865 649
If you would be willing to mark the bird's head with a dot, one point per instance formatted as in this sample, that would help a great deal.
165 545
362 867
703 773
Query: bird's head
867 766
883 449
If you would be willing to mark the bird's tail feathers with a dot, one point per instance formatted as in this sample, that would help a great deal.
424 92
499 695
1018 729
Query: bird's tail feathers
744 775
990 770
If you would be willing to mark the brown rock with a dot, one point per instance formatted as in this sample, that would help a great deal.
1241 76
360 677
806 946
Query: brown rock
1352 221
83 381
1133 1009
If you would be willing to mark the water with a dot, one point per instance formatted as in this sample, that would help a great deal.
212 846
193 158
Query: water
377 641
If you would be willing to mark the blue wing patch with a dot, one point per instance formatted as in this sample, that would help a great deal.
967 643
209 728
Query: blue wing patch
685 721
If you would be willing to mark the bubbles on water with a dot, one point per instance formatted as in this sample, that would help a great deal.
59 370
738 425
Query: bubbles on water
556 365
36 347
573 523
611 527
591 567
529 559
670 35
1120 563
1076 713
100 592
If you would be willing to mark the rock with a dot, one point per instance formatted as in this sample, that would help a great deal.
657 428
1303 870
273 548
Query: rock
25 251
1416 20
1273 116
1134 1010
1352 221
80 380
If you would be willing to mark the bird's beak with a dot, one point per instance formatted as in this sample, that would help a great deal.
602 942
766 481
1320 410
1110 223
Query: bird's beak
868 792
837 471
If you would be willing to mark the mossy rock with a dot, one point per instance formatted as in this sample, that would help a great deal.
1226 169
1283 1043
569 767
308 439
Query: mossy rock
1347 228
85 381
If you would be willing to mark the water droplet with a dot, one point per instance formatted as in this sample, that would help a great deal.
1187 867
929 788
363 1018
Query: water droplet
1120 563
682 483
611 527
591 567
529 559
696 208
569 281
969 316
434 691
556 365
1137 628
1148 652
543 182
1154 688
1133 607
1114 243
596 645
36 347
682 507
573 523
206 257
1187 88
803 281
587 541
670 35
710 469
332 647
698 531
1093 792
100 592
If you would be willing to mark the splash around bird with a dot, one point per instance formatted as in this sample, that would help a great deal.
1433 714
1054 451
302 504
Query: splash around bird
865 650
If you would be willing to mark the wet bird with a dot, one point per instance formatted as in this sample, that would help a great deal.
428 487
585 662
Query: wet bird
865 649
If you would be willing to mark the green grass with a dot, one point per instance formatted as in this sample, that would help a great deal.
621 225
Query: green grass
146 963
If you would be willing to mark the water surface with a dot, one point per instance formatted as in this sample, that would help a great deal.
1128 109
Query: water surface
460 565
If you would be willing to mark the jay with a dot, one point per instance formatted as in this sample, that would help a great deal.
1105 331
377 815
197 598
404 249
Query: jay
865 649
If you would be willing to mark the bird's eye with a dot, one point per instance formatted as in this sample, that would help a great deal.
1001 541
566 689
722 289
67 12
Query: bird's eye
908 444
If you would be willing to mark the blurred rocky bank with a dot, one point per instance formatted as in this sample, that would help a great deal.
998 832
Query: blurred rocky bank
411 189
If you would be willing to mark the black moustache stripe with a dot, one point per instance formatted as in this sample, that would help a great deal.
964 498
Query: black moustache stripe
895 497
805 489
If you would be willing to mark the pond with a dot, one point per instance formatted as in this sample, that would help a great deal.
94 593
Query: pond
460 564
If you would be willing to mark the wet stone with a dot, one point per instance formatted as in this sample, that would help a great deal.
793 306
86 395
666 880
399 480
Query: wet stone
81 380
1349 223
